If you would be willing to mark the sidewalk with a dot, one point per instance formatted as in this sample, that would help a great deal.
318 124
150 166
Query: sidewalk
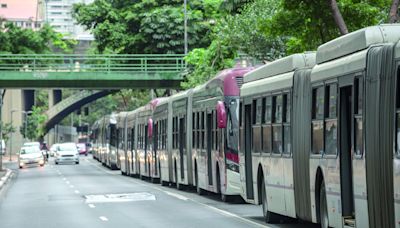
13 164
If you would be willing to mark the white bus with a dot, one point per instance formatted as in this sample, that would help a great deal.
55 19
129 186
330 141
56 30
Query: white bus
330 140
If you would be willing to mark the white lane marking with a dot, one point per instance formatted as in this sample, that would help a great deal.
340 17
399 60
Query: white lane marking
76 192
118 198
103 218
71 186
67 182
64 179
179 196
91 205
220 211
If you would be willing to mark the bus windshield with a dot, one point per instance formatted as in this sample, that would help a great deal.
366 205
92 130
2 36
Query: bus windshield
232 126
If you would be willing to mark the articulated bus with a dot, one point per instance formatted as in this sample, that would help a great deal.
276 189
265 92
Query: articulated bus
95 139
161 145
318 142
215 121
181 150
108 140
121 144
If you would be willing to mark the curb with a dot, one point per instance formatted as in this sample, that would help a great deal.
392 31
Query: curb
4 179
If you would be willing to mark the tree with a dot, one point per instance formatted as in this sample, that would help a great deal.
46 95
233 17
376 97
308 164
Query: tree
16 40
34 124
146 26
337 16
309 23
6 130
393 14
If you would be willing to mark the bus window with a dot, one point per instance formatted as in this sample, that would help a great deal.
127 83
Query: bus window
277 109
286 124
331 120
358 120
317 122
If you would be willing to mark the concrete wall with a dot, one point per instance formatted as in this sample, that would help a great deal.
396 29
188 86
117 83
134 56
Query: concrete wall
13 101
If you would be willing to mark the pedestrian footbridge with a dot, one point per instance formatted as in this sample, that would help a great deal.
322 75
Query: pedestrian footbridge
91 71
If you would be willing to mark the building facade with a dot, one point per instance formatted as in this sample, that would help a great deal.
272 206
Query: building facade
22 13
59 16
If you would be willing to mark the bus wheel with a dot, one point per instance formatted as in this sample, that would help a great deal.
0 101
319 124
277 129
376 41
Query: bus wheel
323 209
269 217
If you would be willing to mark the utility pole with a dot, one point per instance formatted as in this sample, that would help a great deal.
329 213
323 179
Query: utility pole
185 25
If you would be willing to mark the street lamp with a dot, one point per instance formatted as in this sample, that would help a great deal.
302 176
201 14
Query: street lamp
185 26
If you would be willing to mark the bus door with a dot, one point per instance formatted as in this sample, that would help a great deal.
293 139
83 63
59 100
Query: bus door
146 141
155 146
182 145
345 155
247 152
209 158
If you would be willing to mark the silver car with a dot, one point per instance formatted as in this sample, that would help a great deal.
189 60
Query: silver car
66 152
30 155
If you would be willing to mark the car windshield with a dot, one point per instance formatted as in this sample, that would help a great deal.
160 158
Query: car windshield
30 150
67 147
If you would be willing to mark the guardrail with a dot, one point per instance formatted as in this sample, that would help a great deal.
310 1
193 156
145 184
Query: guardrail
166 63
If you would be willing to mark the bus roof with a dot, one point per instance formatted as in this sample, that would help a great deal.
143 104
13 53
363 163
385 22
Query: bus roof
281 66
357 41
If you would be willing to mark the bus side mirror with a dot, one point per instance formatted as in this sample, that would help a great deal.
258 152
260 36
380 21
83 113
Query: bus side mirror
150 127
221 115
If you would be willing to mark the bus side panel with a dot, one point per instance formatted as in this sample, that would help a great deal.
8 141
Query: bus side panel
360 193
275 186
396 166
331 173
289 191
314 164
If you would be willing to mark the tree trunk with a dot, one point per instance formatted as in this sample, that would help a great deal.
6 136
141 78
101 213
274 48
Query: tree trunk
338 17
393 16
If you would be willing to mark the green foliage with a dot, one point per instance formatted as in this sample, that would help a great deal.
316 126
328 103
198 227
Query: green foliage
6 130
17 40
34 124
205 63
146 26
309 23
239 33
234 6
245 32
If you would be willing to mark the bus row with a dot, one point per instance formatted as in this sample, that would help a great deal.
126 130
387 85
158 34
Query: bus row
313 136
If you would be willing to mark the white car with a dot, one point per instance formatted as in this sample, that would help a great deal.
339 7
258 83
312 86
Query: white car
66 152
53 149
30 155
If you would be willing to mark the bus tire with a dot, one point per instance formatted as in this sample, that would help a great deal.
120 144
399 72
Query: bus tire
323 209
269 217
164 183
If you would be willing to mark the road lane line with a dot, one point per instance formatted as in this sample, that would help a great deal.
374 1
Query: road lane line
91 205
64 179
179 196
220 211
71 186
67 182
103 218
76 192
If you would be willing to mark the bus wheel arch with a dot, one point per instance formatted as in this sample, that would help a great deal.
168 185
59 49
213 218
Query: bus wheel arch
269 217
319 183
260 181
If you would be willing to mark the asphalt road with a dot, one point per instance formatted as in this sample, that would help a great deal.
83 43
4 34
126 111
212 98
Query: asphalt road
89 195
